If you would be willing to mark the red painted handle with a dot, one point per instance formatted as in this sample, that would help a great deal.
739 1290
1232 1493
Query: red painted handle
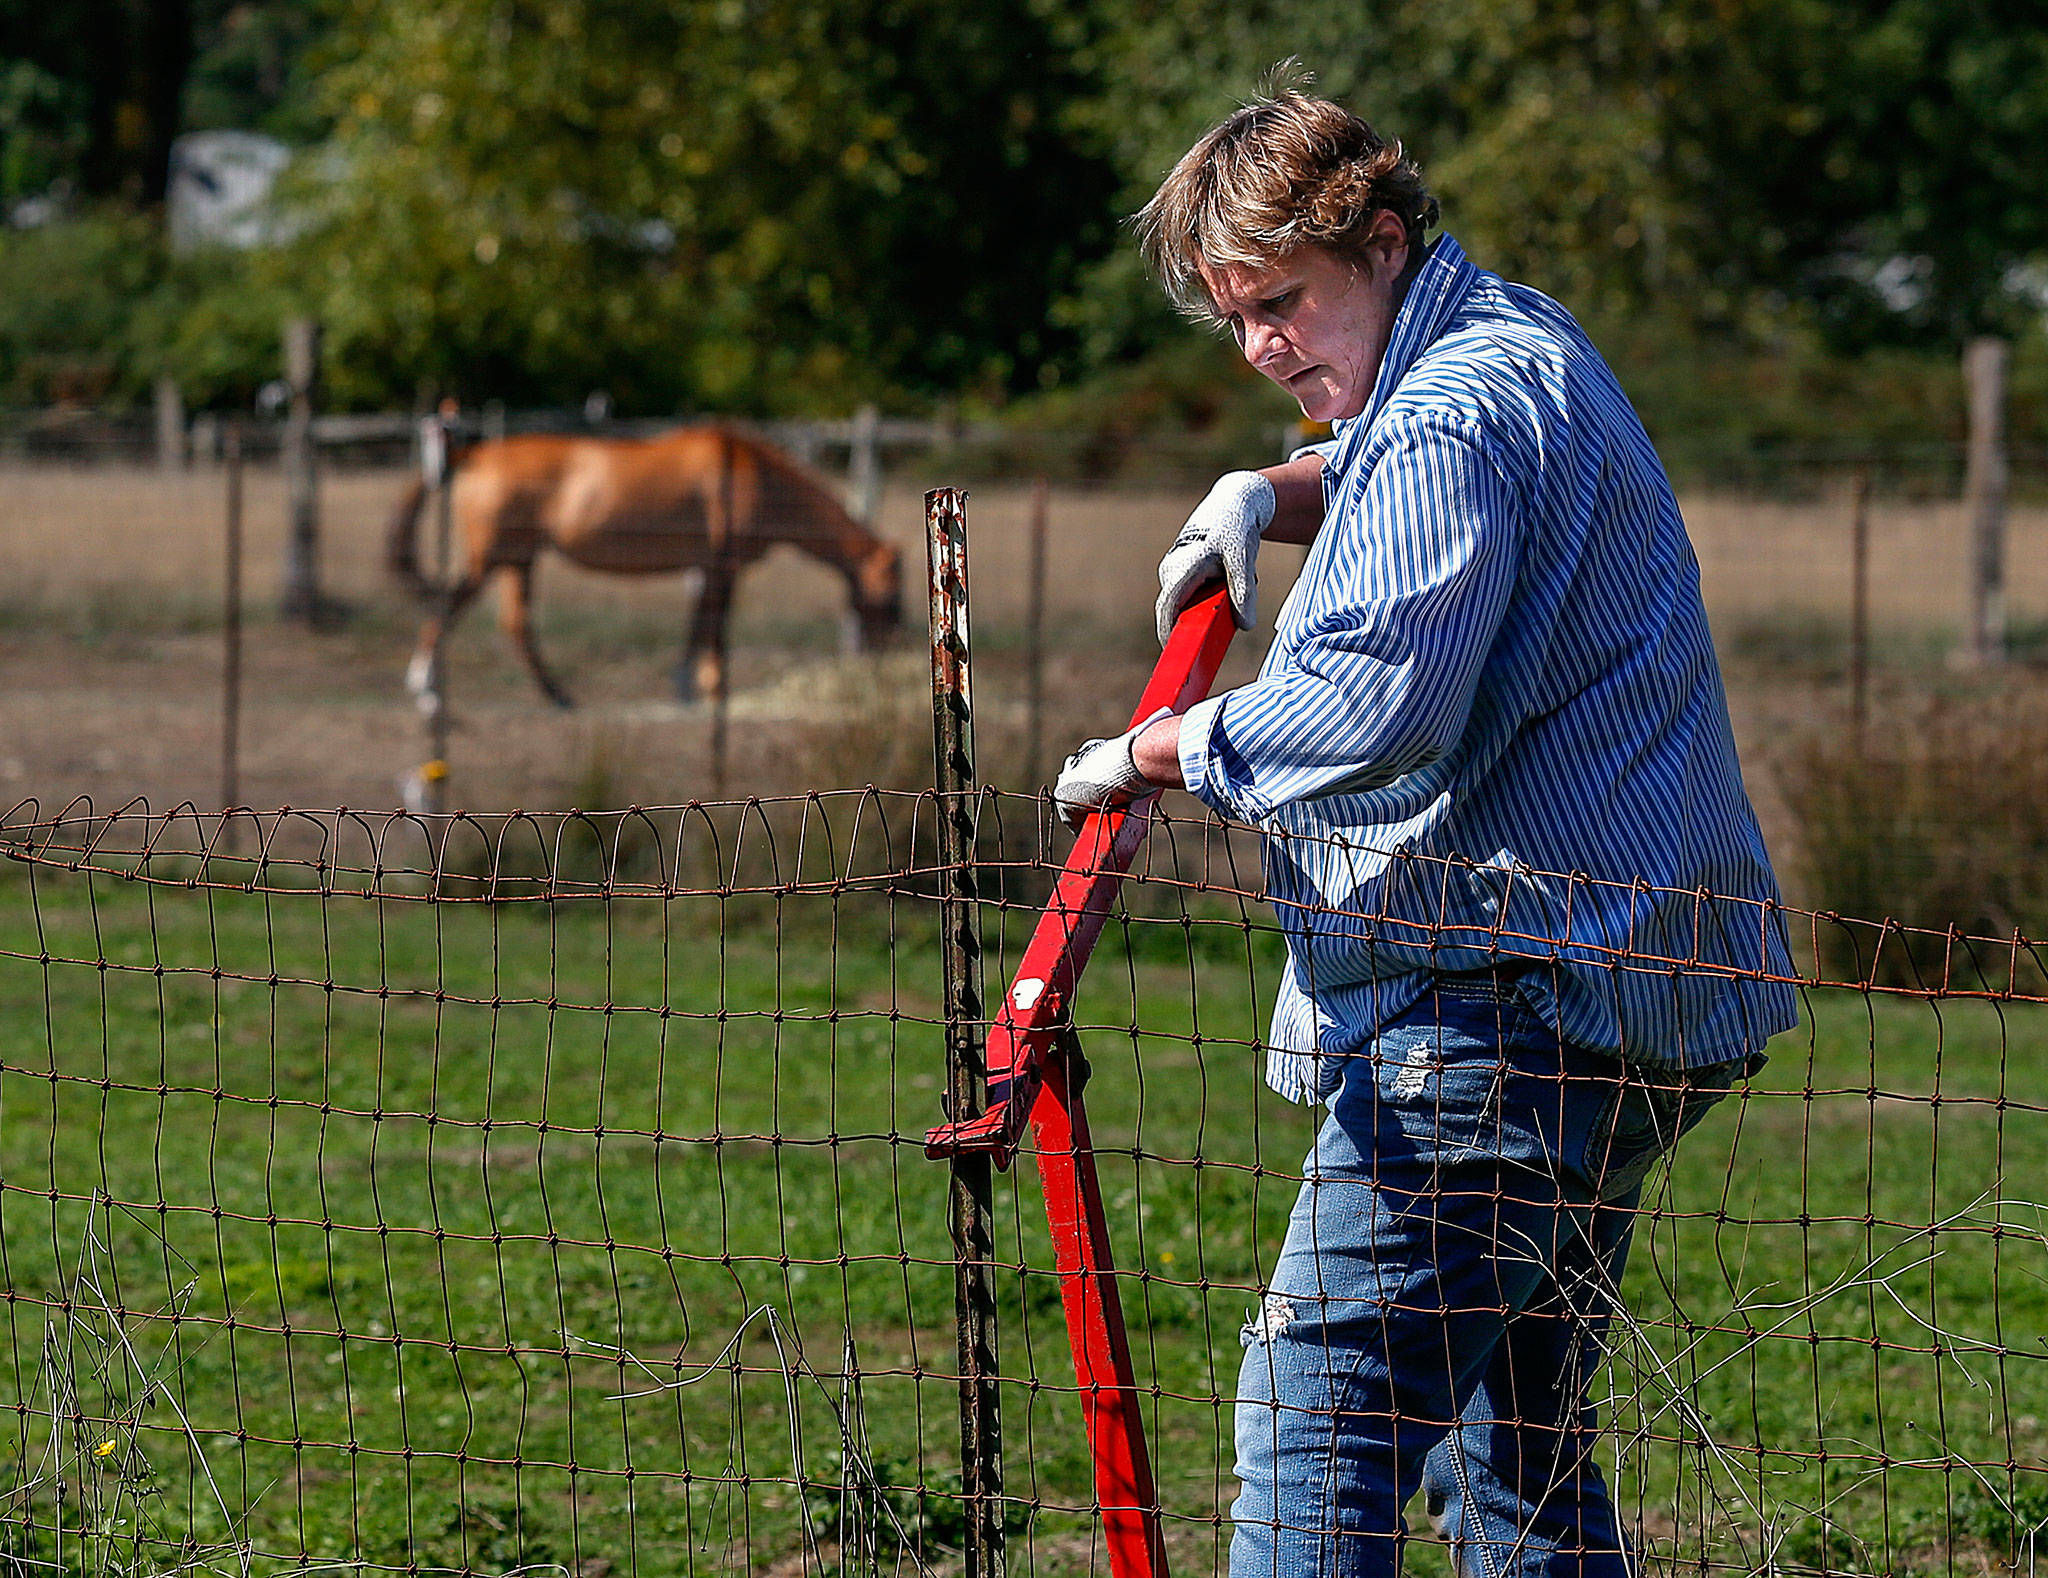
1039 999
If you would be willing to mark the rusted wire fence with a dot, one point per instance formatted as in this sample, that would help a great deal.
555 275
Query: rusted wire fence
474 1194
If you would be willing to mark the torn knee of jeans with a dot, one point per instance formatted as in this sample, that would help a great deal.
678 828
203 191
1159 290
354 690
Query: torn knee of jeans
1272 1317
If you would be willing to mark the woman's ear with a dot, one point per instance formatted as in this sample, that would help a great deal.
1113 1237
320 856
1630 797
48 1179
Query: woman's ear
1388 240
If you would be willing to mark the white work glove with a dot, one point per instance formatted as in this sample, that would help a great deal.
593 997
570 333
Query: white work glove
1102 774
1221 539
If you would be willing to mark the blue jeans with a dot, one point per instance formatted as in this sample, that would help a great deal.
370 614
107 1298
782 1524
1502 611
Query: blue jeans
1439 1307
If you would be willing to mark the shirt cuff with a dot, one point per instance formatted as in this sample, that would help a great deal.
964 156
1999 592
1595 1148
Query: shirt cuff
1197 761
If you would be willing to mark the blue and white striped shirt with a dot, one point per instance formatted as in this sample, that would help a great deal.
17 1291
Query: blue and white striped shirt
1491 726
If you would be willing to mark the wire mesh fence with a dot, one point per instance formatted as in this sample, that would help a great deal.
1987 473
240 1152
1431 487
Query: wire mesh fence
1888 779
549 1192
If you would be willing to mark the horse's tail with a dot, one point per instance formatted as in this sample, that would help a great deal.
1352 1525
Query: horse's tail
402 536
402 541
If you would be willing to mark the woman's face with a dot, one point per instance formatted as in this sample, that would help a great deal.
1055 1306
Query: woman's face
1315 323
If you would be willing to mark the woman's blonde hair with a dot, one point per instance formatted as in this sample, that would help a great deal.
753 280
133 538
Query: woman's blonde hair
1284 172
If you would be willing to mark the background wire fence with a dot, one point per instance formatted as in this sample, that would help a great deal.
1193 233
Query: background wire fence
549 1191
113 625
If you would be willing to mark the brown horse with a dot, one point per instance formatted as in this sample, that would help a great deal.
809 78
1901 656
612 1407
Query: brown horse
708 498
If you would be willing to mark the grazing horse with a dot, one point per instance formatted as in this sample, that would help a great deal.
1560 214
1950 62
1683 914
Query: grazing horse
711 499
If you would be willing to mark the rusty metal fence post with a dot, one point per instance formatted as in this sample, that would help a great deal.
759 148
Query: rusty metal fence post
971 1202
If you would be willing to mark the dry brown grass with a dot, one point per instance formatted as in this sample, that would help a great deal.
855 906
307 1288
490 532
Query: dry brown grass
1763 562
68 534
1938 817
109 619
72 534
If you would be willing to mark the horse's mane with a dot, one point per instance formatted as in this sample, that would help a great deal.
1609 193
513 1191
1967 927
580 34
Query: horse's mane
787 482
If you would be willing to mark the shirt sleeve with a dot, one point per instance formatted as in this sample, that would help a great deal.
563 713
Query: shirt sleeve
1380 660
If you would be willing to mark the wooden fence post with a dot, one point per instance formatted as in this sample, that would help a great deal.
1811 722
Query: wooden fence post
170 425
302 598
720 573
1859 601
1984 364
437 471
864 466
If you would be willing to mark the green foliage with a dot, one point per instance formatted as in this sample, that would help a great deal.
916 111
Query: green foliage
92 92
41 130
68 295
248 66
1539 123
886 1511
1819 1545
789 205
2011 1525
1938 163
480 1532
215 326
1781 413
1722 163
93 308
763 204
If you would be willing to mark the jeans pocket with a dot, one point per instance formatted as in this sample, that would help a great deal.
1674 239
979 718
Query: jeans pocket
1646 1114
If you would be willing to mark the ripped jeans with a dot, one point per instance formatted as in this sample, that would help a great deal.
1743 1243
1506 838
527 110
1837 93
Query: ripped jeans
1438 1309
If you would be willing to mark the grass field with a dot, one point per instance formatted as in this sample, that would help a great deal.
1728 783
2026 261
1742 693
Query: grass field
435 1231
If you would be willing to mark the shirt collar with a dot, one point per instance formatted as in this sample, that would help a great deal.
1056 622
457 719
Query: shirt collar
1434 296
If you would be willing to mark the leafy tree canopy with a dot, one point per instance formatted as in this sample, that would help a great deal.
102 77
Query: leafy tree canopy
1882 164
753 204
771 205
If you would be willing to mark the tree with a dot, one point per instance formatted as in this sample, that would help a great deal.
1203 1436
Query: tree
102 87
1931 223
249 66
1787 186
758 204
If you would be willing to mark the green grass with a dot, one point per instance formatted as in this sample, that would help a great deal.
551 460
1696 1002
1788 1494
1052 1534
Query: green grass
386 1247
1889 1356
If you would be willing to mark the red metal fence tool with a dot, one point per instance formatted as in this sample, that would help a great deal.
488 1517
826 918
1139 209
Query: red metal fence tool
1035 1074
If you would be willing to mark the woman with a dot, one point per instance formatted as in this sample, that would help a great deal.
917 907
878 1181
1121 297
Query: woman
1531 922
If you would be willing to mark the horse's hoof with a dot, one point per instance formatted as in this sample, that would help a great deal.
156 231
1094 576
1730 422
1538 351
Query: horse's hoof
419 674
